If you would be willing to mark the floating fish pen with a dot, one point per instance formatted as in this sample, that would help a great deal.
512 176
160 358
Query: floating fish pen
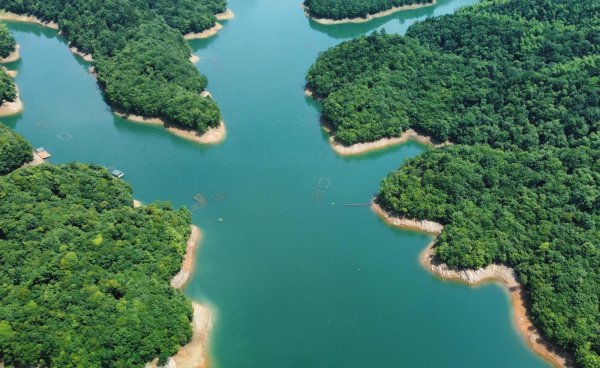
218 197
64 136
200 202
324 183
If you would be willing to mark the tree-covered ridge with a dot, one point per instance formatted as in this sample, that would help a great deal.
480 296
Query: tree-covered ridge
8 90
536 211
516 85
7 42
341 9
141 58
84 275
14 150
471 83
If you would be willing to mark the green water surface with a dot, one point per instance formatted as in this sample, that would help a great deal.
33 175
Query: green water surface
294 277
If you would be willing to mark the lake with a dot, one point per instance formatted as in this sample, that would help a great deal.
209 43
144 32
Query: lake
294 277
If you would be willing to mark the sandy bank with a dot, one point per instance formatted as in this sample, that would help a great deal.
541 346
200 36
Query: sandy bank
137 204
369 17
211 136
13 56
183 276
12 108
366 147
310 93
194 354
492 273
26 19
429 227
194 59
204 34
226 15
362 148
86 57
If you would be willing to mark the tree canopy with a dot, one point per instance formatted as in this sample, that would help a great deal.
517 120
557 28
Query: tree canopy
141 58
515 85
14 150
7 42
84 275
340 9
8 90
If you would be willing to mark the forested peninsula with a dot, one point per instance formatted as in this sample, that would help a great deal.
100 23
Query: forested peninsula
342 11
9 96
140 56
515 85
85 275
8 45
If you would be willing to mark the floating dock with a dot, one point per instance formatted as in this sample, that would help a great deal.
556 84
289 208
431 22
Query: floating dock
42 153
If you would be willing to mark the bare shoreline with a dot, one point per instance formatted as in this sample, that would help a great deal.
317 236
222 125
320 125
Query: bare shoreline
501 274
367 147
12 108
226 15
86 57
181 279
195 353
211 136
369 17
4 15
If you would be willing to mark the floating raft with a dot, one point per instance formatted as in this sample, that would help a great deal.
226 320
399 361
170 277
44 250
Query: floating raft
42 153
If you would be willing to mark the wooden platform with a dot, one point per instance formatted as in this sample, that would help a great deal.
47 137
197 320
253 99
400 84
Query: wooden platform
43 154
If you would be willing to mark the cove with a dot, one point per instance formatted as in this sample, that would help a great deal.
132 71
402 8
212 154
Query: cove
294 277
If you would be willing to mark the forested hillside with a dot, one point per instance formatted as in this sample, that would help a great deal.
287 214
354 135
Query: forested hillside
7 42
515 84
141 58
340 9
8 90
14 150
84 275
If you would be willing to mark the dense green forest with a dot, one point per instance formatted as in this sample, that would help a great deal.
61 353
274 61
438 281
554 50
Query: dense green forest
141 58
14 150
84 275
8 90
515 84
7 42
340 9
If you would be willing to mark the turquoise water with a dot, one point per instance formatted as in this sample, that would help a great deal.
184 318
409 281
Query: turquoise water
295 278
